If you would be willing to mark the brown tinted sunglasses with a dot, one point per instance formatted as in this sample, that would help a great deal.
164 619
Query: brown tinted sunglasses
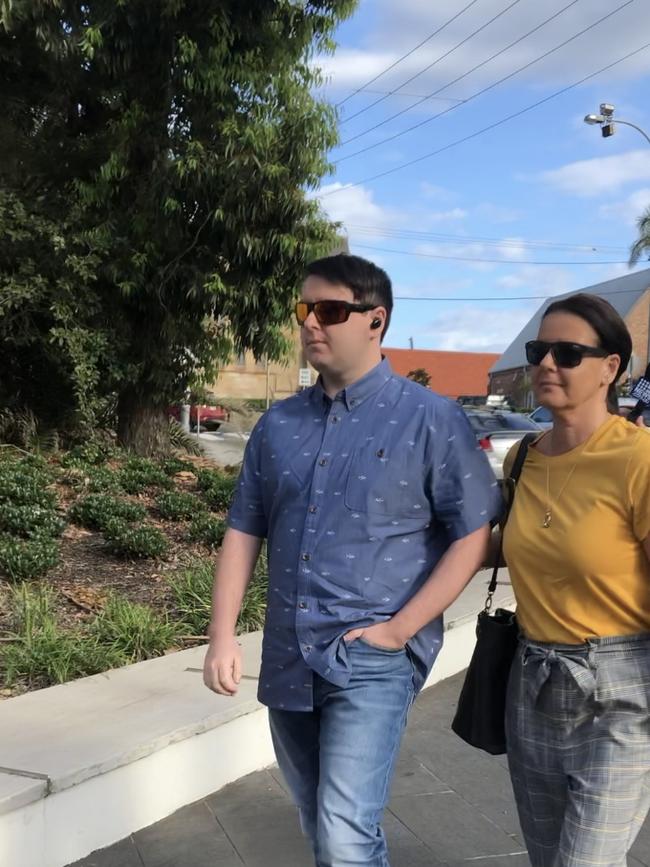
329 312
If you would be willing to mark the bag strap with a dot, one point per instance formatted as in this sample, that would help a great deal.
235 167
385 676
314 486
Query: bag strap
511 484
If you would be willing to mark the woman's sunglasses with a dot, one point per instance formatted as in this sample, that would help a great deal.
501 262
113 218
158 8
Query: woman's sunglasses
329 312
564 354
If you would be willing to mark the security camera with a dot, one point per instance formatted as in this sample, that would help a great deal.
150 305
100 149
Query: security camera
606 109
607 129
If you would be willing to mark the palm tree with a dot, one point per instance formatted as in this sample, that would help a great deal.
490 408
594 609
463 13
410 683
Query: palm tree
642 243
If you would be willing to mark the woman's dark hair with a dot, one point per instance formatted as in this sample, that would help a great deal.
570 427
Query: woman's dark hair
368 283
609 326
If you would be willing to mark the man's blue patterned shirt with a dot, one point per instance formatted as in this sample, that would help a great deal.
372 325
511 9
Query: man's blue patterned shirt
358 497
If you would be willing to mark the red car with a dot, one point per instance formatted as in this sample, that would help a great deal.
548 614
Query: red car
210 417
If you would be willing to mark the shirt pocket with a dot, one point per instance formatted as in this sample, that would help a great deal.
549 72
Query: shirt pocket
385 484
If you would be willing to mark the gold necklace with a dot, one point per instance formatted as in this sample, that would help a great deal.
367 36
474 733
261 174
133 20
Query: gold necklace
548 514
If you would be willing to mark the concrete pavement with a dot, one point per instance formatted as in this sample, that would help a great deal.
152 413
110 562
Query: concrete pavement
451 805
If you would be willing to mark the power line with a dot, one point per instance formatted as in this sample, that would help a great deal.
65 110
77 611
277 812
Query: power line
408 54
488 128
446 238
435 62
459 78
501 297
491 261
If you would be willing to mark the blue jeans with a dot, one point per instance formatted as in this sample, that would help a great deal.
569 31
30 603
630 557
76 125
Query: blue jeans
338 759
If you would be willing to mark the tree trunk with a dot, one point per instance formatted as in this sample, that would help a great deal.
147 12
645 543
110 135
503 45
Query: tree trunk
142 427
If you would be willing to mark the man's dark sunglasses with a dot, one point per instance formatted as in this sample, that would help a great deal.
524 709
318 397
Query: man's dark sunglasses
564 354
329 312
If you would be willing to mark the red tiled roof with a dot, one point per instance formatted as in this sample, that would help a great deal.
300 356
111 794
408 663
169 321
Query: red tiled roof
452 373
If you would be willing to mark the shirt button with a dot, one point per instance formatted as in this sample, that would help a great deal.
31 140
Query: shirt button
308 648
313 509
322 462
303 606
335 418
306 556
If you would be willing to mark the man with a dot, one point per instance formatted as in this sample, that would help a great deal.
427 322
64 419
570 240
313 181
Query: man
375 502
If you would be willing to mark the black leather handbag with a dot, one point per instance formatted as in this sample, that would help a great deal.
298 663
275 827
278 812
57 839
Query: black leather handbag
480 716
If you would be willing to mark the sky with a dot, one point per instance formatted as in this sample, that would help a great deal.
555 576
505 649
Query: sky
467 222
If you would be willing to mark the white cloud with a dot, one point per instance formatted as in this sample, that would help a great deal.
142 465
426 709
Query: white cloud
477 328
594 177
432 191
630 209
539 281
396 28
355 206
442 216
497 213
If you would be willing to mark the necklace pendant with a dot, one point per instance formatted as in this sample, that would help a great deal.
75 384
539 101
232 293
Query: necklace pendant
546 523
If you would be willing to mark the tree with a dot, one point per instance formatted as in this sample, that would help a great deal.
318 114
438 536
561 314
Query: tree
642 244
420 375
155 167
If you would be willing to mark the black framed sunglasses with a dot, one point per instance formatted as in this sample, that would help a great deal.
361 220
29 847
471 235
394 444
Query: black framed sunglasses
564 353
329 312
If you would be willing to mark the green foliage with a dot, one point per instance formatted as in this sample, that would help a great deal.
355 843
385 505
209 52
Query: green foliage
217 488
96 511
138 474
44 653
89 454
171 466
178 506
28 521
132 631
208 529
177 226
182 440
641 246
420 375
22 559
192 592
24 483
142 542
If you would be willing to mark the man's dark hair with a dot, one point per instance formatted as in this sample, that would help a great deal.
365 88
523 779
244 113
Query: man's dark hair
368 283
612 331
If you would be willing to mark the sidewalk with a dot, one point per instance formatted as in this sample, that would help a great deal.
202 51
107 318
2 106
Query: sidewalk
450 805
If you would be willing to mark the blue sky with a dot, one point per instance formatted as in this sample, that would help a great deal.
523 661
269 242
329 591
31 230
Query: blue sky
541 187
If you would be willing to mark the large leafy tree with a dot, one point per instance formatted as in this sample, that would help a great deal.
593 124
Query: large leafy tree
642 244
156 158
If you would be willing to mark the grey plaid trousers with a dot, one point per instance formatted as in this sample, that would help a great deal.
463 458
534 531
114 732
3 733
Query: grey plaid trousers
578 733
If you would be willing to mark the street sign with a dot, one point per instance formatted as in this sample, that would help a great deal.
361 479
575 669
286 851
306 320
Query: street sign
304 377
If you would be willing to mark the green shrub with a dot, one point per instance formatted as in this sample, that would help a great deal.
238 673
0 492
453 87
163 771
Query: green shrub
192 592
178 506
208 529
22 559
96 510
171 466
24 483
144 541
88 454
133 631
44 653
138 474
29 521
182 440
218 489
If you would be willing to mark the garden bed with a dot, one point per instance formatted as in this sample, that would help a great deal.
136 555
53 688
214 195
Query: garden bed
105 560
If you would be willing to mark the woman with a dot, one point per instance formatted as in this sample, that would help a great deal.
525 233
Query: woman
577 546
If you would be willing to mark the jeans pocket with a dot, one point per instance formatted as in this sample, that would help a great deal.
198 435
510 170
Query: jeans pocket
380 648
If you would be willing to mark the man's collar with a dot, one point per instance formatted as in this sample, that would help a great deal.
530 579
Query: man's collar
357 392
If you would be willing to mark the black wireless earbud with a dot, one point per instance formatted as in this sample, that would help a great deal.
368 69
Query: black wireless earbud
376 323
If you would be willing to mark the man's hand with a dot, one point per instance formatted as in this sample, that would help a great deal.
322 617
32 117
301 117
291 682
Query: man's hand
222 666
384 635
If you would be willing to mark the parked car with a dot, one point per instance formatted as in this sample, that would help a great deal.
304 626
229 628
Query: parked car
542 417
209 417
496 432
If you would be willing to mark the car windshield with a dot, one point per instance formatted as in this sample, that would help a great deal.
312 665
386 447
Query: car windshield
484 422
543 415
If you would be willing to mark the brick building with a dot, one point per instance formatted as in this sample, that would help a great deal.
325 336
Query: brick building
630 295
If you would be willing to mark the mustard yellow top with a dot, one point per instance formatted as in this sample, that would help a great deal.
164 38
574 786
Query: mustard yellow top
586 575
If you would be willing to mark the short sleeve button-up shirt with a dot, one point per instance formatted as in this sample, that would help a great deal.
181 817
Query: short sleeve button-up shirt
358 497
